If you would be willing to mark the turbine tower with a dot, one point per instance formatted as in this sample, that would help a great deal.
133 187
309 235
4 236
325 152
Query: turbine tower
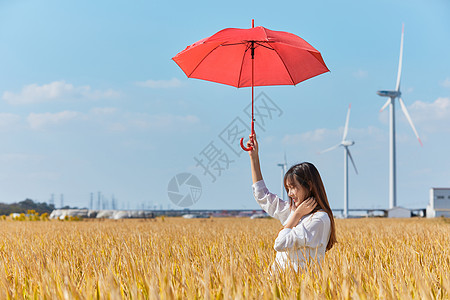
392 95
283 171
345 143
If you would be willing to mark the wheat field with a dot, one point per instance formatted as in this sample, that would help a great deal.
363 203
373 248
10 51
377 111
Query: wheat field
175 258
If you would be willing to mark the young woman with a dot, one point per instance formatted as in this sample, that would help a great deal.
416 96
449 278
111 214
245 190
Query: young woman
308 223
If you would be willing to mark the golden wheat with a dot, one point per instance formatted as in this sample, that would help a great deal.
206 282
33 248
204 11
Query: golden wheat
175 258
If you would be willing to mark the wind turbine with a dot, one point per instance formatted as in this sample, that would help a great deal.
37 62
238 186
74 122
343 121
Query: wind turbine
345 143
283 171
392 95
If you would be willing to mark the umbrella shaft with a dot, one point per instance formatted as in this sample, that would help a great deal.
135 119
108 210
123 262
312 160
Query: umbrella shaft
253 67
253 50
253 58
253 119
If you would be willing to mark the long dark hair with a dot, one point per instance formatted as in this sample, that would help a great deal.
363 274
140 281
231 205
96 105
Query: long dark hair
307 175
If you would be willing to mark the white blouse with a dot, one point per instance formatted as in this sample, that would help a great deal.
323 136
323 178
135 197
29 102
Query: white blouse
297 246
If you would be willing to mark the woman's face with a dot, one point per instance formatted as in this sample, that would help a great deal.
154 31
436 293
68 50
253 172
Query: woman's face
296 192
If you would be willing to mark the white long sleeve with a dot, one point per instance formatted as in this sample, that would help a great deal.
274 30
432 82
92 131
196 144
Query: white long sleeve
312 232
271 203
304 243
301 244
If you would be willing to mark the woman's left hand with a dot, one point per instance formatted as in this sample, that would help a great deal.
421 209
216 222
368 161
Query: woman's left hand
305 208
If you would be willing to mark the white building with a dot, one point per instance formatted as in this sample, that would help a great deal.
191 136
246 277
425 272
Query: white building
439 205
399 212
100 214
62 213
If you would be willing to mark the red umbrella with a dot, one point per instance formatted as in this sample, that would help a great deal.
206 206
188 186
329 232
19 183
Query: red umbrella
251 57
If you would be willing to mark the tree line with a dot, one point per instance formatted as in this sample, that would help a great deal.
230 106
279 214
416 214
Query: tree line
24 206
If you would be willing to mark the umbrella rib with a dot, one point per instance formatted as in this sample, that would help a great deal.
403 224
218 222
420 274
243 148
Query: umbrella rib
247 42
204 57
262 45
242 65
243 57
285 66
232 44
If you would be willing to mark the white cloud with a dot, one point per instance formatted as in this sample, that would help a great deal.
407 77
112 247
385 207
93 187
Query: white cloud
317 135
160 84
361 74
431 116
43 120
57 90
446 82
322 138
439 109
423 112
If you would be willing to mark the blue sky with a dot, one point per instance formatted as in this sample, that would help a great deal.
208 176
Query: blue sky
90 100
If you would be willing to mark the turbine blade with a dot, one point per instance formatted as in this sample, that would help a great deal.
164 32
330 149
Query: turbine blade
351 158
408 117
385 105
329 149
399 73
346 123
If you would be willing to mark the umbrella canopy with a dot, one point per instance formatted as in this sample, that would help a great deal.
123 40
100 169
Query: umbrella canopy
251 57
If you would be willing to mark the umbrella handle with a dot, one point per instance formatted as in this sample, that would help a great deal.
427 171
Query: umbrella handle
253 131
243 147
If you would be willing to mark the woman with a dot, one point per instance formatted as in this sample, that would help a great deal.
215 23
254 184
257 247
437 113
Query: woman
308 223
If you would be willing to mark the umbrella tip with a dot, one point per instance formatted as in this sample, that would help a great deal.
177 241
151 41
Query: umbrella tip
253 23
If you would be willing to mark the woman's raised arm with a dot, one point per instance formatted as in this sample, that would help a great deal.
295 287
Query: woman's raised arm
254 158
270 203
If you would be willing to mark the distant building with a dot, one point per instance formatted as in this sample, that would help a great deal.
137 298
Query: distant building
439 205
196 216
101 214
399 212
260 216
62 213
